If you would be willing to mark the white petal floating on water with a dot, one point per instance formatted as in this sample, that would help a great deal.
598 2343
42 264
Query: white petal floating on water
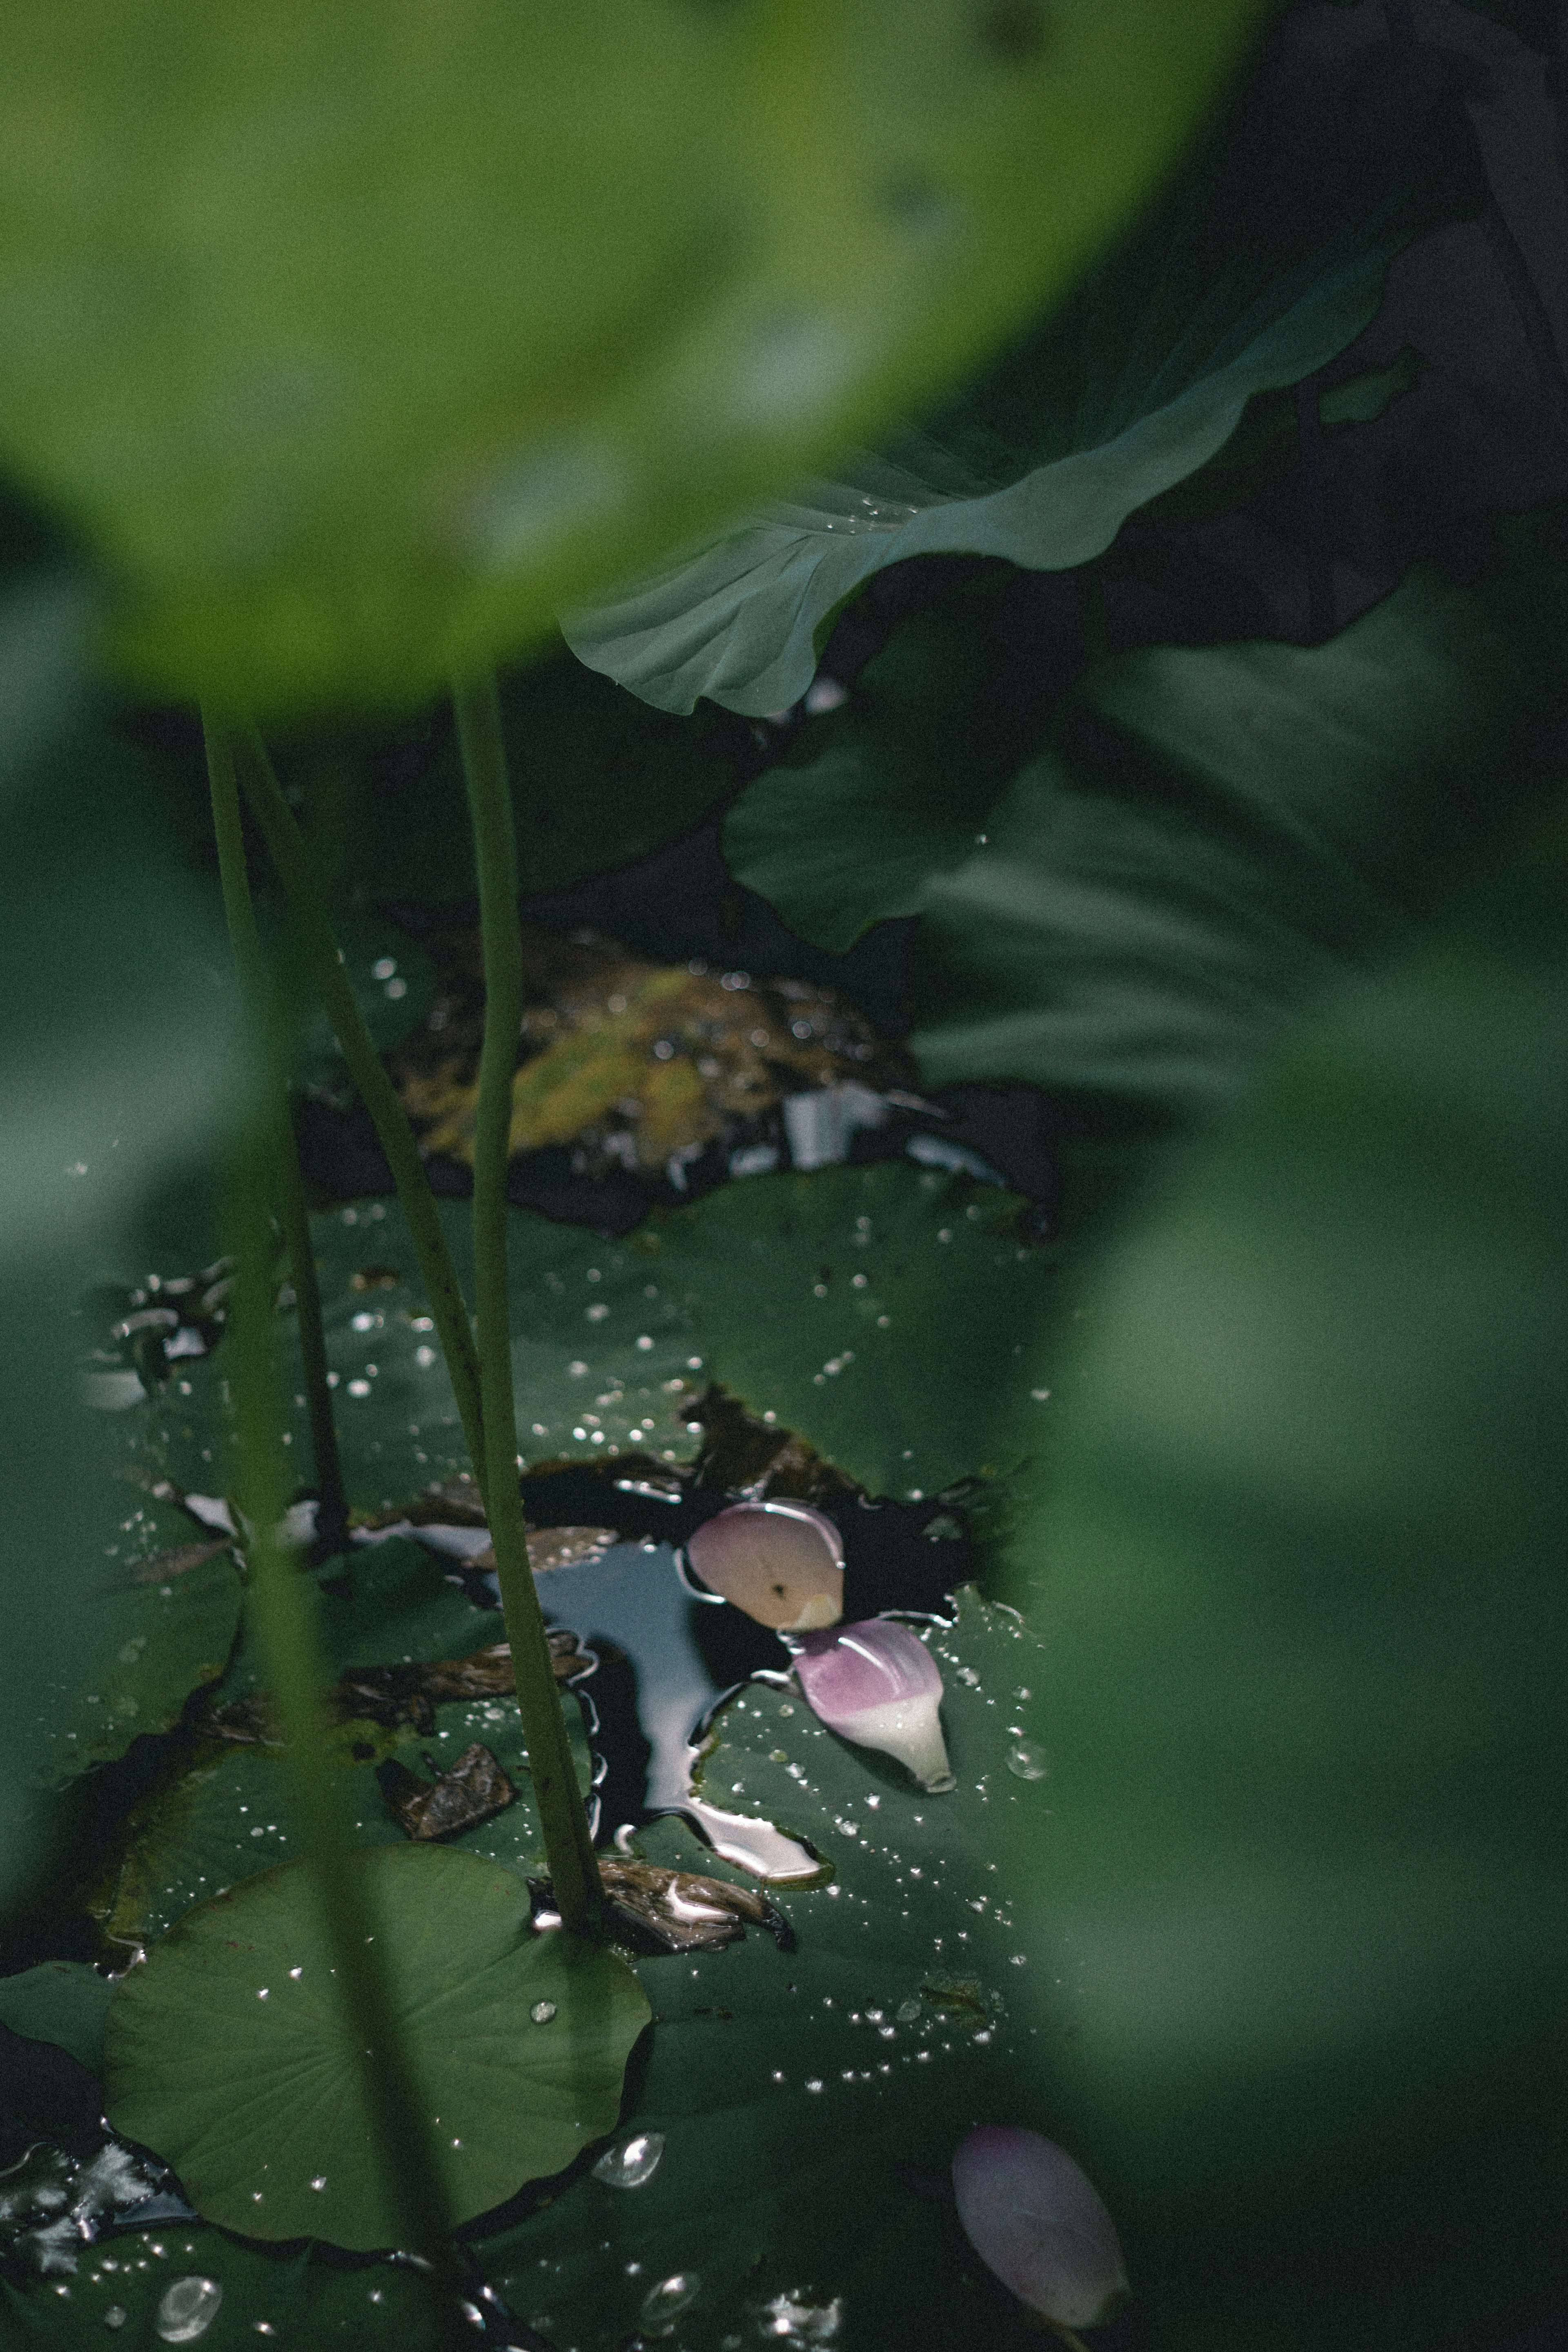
1037 2222
878 1685
782 1563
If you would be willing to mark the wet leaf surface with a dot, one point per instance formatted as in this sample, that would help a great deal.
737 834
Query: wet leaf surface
864 1272
222 1810
777 2080
163 1632
114 2294
225 2052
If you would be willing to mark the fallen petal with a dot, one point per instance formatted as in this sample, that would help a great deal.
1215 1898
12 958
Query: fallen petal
781 1562
1036 2220
878 1685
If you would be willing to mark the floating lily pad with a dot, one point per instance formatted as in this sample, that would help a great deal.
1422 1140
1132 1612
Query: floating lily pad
872 1310
225 1811
225 2052
155 1644
910 2010
117 2291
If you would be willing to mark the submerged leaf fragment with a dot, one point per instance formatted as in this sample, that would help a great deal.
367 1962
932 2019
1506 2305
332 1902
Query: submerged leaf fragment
1034 2216
878 1685
685 1910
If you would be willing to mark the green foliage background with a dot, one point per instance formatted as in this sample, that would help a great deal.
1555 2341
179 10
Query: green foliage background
1270 1441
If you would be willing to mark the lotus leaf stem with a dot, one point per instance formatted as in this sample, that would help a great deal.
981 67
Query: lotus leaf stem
575 1873
288 1191
292 858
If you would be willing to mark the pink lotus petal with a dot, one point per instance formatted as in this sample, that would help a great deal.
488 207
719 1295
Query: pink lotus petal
878 1685
781 1562
1033 2218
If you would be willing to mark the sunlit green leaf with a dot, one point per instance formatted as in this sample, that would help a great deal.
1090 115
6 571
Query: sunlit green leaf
357 344
778 2080
226 2054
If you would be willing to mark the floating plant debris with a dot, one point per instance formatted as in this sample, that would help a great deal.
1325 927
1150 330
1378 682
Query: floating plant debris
636 1066
1035 2218
473 1789
394 1695
879 1685
684 1910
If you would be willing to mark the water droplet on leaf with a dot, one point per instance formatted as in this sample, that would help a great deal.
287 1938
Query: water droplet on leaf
542 2011
635 2161
664 2304
187 2309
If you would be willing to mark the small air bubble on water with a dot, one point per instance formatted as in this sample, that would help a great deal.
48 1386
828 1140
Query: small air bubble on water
1027 1760
115 2316
542 2011
319 2181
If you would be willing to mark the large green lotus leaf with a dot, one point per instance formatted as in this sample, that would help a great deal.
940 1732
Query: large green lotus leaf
1214 835
300 2296
225 2052
873 1310
598 779
357 338
224 1812
891 789
810 2102
1262 263
1297 1577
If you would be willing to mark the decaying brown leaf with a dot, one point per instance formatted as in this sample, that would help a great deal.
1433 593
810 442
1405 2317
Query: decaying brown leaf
683 1911
394 1695
743 1455
473 1789
634 1061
